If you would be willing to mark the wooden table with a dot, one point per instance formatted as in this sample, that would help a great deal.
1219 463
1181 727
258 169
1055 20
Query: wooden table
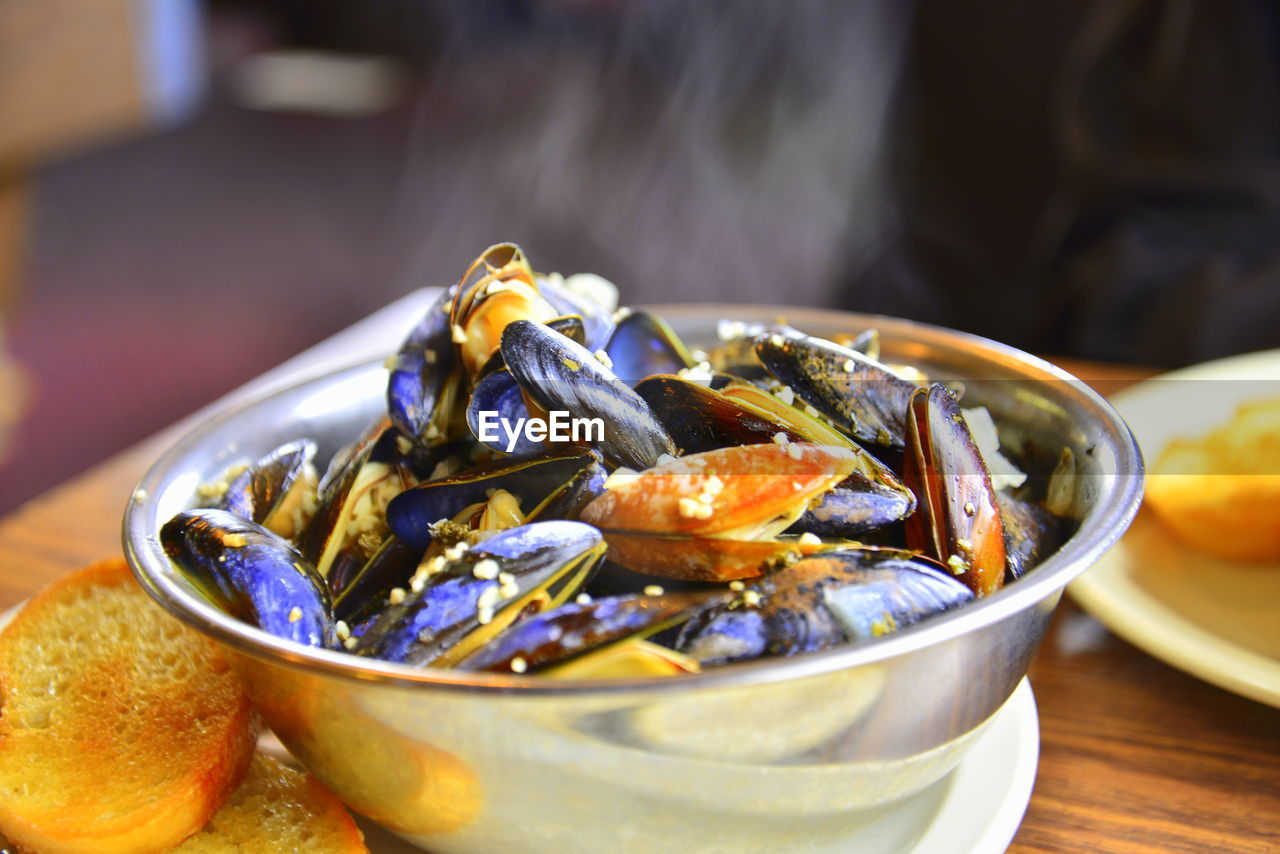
1135 756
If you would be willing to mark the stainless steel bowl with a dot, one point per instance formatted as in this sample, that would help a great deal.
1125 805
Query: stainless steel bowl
772 755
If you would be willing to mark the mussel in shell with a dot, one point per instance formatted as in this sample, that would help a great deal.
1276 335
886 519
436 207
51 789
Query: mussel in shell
456 606
560 375
958 522
861 396
584 628
532 479
278 491
819 602
250 573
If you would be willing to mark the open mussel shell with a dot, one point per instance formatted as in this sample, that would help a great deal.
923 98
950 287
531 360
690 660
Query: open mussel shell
958 521
278 490
577 629
1031 534
498 400
457 609
642 345
561 376
860 505
736 352
571 498
861 396
748 492
420 373
819 602
800 425
498 288
392 565
349 522
700 419
250 573
531 479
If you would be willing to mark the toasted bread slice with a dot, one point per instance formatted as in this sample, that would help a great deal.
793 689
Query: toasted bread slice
121 730
1221 493
279 810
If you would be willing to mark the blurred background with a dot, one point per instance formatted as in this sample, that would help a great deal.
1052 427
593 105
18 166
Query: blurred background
192 192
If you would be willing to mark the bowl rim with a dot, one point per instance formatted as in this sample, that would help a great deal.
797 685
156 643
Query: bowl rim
1101 528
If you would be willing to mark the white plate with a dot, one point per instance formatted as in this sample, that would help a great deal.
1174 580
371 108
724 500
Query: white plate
943 819
1215 619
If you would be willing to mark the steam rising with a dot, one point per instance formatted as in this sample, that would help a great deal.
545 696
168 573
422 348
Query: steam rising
686 150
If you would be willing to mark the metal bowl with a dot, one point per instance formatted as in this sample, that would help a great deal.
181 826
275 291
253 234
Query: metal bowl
770 755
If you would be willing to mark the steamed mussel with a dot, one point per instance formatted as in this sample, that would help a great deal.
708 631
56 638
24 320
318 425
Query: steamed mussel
774 494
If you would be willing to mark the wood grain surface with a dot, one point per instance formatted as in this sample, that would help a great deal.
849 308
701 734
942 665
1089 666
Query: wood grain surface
1135 756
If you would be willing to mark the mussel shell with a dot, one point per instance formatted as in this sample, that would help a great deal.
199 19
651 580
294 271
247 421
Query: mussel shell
531 479
858 506
752 492
822 601
554 637
498 288
442 623
390 566
336 542
500 262
570 326
644 344
560 375
1031 534
569 499
958 521
736 353
499 393
261 490
863 397
700 419
798 424
419 371
250 573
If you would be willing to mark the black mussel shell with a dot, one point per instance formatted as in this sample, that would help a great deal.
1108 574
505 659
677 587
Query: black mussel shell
459 608
958 522
1031 534
642 345
574 629
261 490
250 573
700 419
861 396
531 479
561 376
819 602
419 371
392 565
331 543
497 400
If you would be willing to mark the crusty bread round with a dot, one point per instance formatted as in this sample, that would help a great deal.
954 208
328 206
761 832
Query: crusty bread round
121 730
279 810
